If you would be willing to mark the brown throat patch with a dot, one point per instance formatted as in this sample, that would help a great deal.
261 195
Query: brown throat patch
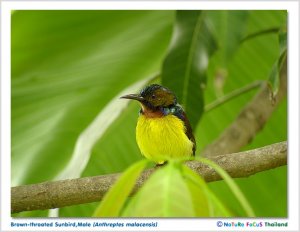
151 114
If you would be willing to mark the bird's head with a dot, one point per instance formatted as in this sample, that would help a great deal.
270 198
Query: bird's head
154 97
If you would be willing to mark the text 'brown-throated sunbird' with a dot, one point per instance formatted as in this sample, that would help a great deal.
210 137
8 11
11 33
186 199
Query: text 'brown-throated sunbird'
163 131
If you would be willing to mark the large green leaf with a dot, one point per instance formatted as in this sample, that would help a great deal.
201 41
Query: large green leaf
181 193
165 194
66 67
184 68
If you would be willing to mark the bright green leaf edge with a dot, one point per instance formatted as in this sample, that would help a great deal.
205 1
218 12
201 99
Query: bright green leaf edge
116 197
232 185
274 76
212 200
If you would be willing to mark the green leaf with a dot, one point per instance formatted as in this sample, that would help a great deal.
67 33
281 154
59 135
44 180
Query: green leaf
232 185
114 200
67 67
228 28
184 68
205 203
262 20
164 194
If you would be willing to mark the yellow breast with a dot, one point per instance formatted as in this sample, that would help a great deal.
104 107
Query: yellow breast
163 138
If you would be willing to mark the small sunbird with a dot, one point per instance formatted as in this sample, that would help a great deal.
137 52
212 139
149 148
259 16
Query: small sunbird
163 131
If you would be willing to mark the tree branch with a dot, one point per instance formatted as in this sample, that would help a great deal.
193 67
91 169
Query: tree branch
48 195
251 119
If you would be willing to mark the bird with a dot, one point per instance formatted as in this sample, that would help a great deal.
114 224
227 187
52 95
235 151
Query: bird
163 131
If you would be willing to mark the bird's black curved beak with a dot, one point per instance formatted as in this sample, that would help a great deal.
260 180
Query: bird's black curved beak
134 97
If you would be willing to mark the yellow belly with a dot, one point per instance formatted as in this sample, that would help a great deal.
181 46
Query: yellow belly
161 139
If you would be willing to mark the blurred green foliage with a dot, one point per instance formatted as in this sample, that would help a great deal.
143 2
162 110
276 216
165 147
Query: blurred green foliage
67 66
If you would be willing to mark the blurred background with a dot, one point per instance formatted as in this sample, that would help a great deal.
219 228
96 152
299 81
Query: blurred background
69 67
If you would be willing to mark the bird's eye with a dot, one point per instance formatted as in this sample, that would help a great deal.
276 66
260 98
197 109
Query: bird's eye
153 96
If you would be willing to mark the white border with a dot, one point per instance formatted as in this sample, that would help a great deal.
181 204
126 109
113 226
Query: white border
166 224
148 5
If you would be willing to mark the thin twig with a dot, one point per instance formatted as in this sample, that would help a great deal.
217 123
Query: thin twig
232 95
